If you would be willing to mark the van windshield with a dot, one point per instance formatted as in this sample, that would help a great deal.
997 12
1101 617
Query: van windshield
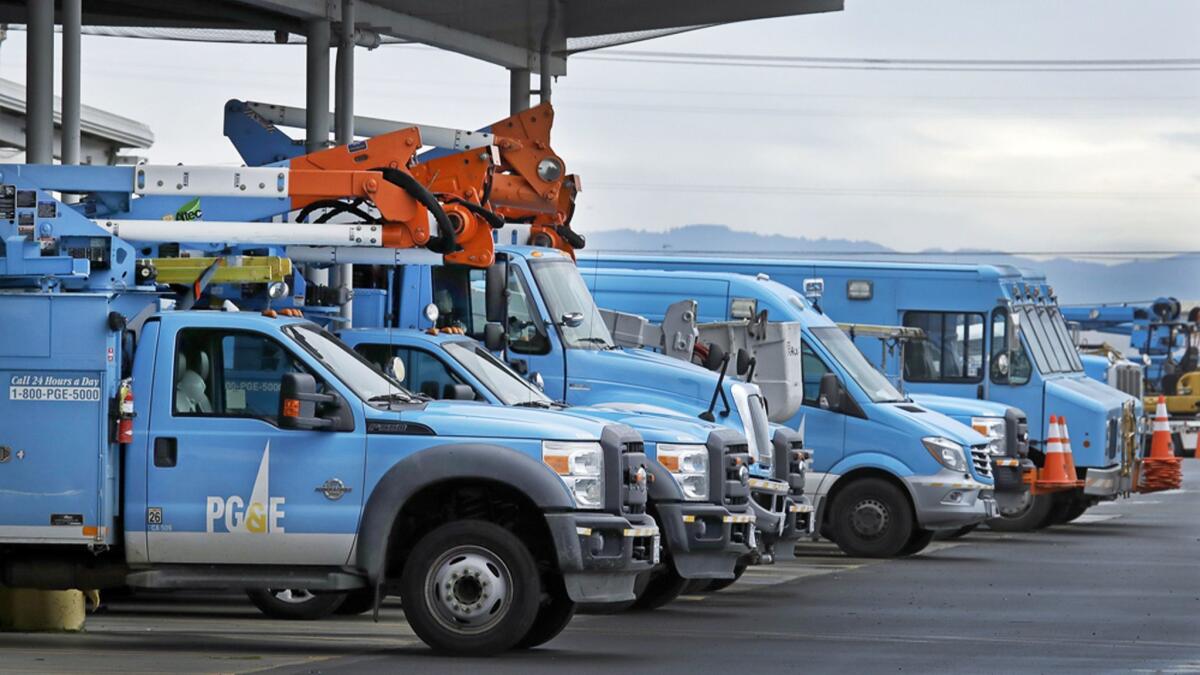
842 349
566 294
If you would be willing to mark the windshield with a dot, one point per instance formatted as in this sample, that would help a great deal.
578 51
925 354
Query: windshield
877 387
501 380
566 294
353 370
1052 350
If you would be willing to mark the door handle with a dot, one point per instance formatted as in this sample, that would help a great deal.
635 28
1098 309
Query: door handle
166 452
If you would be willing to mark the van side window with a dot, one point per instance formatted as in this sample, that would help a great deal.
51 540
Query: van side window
813 369
952 350
230 374
459 292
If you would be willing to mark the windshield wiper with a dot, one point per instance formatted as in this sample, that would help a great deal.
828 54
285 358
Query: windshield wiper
534 404
594 340
391 398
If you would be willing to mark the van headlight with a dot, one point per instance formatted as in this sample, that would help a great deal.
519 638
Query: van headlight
992 428
581 466
948 453
689 466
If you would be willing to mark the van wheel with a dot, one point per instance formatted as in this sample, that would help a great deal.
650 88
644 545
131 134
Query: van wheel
556 612
917 542
1030 515
357 602
664 587
470 588
295 604
871 518
721 584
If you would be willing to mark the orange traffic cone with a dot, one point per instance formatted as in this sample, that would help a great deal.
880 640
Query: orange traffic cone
1067 451
1160 443
1161 470
1054 475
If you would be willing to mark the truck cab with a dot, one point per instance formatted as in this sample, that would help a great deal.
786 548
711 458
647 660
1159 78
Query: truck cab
550 331
864 434
700 493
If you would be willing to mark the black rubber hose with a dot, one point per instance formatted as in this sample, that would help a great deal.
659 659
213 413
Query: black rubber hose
447 241
576 240
495 220
336 207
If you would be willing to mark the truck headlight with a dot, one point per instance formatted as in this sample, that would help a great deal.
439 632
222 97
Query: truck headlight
689 465
581 467
993 429
948 453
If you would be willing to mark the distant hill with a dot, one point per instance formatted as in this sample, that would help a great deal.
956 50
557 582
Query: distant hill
1076 281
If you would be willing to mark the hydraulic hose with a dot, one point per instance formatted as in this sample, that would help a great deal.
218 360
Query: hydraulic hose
446 242
495 220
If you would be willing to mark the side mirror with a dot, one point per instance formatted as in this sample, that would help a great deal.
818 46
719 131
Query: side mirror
831 393
743 361
298 399
716 354
396 366
493 337
1013 332
458 392
496 292
572 319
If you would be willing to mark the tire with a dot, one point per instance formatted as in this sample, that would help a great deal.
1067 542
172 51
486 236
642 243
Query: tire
665 585
295 604
357 602
871 518
1031 516
721 584
917 542
961 532
556 612
464 562
1067 507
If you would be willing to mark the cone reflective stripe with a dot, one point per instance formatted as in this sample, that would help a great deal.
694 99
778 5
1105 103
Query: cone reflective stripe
1161 470
1054 475
1067 451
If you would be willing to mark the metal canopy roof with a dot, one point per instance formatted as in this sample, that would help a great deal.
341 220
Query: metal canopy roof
509 33
104 134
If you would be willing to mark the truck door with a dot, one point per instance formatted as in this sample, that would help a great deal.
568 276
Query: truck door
225 484
824 430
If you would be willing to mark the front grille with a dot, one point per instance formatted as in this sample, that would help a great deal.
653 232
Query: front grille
634 446
634 495
1126 377
771 502
982 461
732 467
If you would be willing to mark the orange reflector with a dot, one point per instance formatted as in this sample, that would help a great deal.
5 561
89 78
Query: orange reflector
90 530
291 407
671 462
559 463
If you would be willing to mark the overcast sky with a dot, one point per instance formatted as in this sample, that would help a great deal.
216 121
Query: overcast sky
1068 161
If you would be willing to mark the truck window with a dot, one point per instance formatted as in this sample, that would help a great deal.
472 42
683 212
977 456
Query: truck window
813 368
458 293
230 374
423 372
1019 368
952 352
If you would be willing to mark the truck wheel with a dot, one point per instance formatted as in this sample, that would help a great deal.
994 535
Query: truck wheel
721 584
664 587
470 588
871 518
1030 515
295 604
917 542
1067 507
961 532
556 612
357 602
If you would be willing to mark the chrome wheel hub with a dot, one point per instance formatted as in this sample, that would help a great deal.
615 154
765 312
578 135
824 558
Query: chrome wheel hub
870 518
293 596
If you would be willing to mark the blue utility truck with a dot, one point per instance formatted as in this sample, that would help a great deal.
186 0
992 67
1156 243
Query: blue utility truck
992 336
533 307
700 492
236 450
888 472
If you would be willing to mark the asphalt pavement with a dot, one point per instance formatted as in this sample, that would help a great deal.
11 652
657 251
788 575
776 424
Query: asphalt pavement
1117 591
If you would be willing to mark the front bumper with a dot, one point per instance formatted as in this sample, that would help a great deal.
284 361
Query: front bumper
705 540
780 518
1009 475
947 501
600 554
1107 483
